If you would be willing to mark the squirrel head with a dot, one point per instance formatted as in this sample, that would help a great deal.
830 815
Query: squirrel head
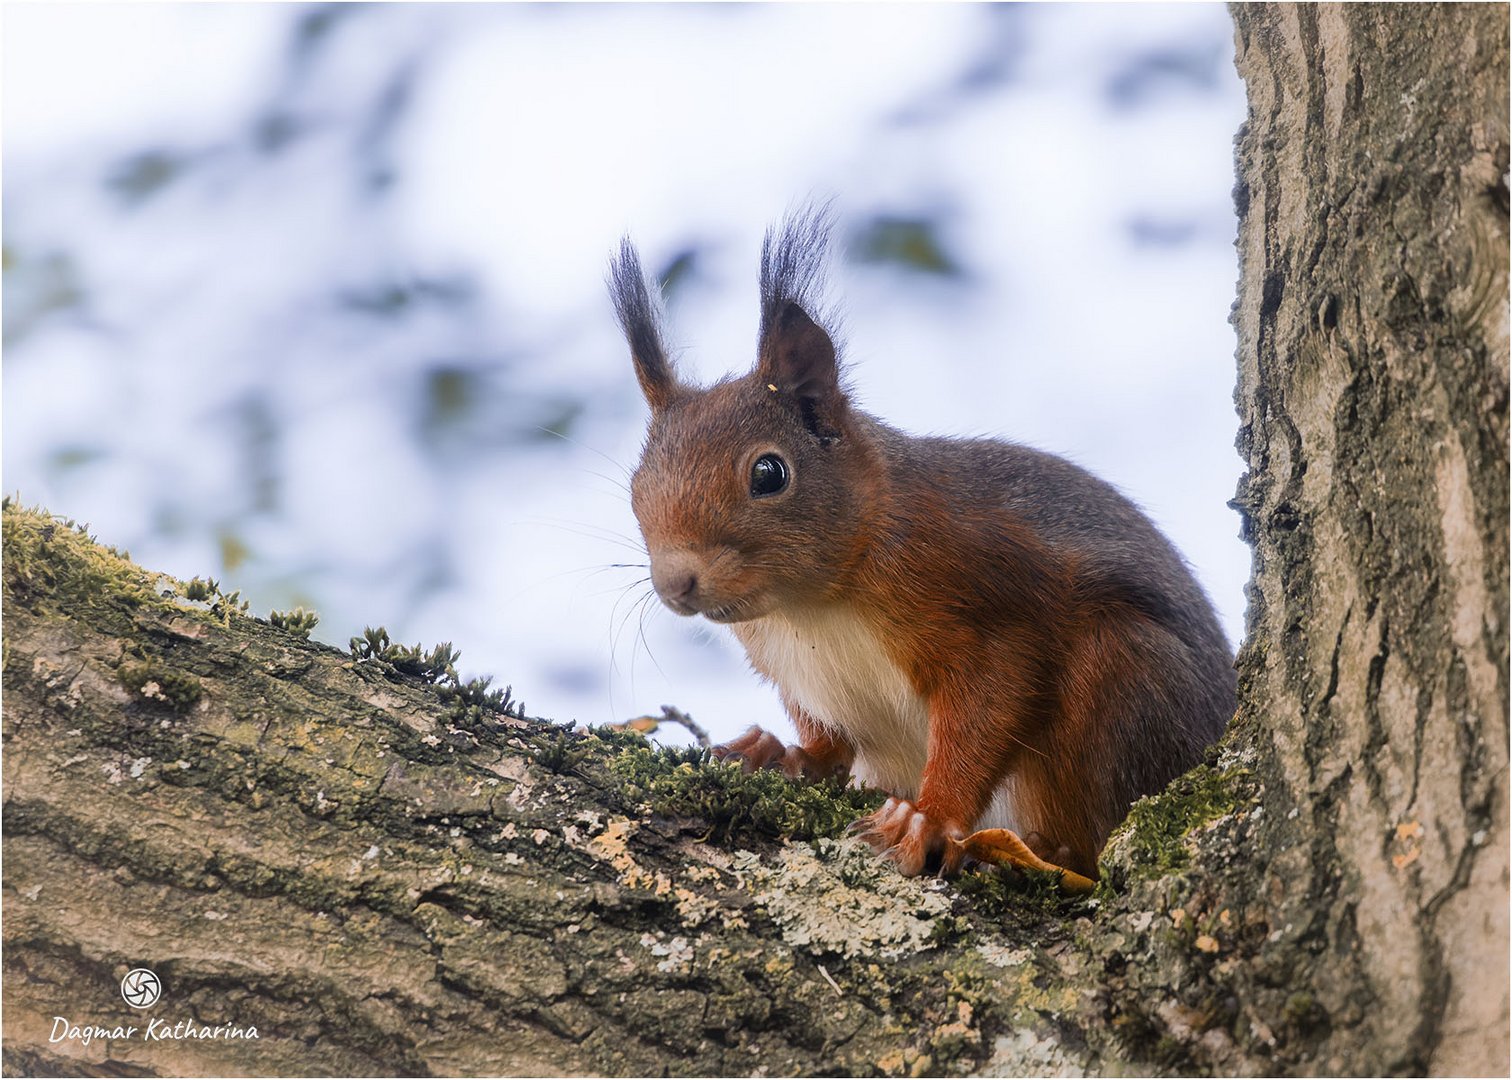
752 494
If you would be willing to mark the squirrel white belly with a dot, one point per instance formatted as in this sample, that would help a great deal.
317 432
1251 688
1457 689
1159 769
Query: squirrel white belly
830 663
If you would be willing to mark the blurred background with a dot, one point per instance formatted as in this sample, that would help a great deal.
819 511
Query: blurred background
310 298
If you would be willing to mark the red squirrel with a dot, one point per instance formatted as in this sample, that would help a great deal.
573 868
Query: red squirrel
988 633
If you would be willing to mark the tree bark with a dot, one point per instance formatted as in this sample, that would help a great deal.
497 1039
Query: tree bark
383 881
1372 319
385 876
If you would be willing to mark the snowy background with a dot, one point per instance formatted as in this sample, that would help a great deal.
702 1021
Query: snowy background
310 298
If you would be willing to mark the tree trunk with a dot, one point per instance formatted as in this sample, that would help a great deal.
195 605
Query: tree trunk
383 872
1372 319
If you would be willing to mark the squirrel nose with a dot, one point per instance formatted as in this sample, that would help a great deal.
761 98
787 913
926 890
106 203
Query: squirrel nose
682 587
675 579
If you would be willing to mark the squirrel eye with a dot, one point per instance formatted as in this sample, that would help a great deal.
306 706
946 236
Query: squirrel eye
769 475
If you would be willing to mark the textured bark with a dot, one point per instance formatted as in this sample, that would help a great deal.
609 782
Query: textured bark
324 849
381 883
1372 321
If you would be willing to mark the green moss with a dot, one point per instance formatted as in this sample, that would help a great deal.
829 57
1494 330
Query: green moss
560 751
157 683
435 666
736 803
222 604
1304 1014
1152 841
298 622
999 891
468 704
615 739
54 564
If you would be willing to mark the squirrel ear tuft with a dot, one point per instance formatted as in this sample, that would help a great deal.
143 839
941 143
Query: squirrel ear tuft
795 352
640 319
798 356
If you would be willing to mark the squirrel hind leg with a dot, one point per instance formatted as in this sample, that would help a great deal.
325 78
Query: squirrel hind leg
1053 817
1130 694
1140 705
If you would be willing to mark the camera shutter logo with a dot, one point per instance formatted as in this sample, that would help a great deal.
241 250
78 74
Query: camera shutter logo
141 988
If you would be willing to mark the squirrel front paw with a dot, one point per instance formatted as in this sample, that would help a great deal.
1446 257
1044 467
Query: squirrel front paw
912 839
756 749
760 749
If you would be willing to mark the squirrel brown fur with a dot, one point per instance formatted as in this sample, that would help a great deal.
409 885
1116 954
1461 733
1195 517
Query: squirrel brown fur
988 633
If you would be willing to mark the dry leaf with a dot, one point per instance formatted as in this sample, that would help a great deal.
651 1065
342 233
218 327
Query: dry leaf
642 724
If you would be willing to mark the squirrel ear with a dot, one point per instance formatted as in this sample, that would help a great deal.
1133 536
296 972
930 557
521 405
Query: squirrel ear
798 357
640 319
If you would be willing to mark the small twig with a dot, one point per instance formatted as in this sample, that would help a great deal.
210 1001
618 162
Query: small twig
673 715
829 979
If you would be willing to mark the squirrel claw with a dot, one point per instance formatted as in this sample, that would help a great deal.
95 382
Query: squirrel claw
910 838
